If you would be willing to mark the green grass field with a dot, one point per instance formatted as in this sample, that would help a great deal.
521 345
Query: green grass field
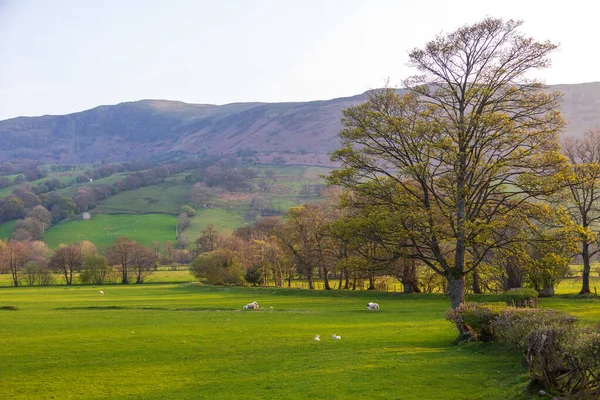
102 230
6 229
167 197
223 221
194 342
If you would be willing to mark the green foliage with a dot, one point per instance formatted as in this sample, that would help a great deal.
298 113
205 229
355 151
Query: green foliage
520 297
513 325
95 270
218 267
187 210
478 320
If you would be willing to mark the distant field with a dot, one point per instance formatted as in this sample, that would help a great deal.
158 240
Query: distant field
71 190
102 230
65 177
223 221
194 342
163 275
6 229
167 197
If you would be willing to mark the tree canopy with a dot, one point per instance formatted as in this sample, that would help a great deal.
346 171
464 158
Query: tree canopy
471 142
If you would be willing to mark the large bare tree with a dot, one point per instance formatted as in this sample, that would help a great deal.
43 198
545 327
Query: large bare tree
472 140
120 254
13 256
67 260
584 190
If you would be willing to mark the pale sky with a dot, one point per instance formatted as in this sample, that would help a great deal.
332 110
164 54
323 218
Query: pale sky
63 56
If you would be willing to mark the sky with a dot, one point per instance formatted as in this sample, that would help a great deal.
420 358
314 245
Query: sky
64 56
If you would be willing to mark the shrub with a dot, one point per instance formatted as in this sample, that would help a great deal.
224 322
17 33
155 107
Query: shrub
513 325
477 320
95 270
562 358
253 275
218 267
547 359
187 210
520 297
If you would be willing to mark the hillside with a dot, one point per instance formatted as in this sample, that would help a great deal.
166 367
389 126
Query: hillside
299 133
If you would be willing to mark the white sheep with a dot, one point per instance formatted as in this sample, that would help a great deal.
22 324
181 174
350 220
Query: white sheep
253 305
373 306
318 337
101 293
335 337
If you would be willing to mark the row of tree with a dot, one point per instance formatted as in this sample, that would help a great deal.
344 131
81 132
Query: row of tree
125 261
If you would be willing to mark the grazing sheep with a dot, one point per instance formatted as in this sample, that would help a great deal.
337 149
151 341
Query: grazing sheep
101 293
253 305
373 306
317 337
335 337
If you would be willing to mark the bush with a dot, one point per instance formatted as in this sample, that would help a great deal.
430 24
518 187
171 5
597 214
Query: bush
512 326
218 267
520 297
95 270
562 358
187 210
546 357
566 361
477 320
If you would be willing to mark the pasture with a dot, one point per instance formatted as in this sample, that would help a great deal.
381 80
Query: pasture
6 229
102 230
164 197
222 220
184 341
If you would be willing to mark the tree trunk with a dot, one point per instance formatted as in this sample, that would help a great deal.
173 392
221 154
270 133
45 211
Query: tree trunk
514 276
371 282
15 276
326 278
125 279
409 278
341 279
309 276
456 290
585 254
476 287
547 291
347 273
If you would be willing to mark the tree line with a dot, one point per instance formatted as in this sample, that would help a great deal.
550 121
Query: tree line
125 261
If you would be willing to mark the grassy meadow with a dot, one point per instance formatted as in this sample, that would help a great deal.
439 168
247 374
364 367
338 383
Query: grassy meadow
185 341
103 229
166 197
6 229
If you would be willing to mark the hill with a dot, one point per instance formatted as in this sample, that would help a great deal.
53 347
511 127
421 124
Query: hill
296 133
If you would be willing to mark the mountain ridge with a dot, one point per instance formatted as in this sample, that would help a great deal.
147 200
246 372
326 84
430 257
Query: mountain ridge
291 132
